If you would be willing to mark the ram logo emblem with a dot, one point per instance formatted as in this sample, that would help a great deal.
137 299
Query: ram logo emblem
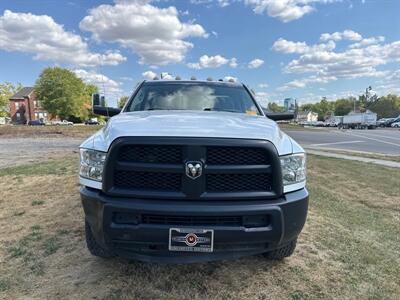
194 169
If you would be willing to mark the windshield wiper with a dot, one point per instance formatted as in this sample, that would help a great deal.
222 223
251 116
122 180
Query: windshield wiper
159 108
227 110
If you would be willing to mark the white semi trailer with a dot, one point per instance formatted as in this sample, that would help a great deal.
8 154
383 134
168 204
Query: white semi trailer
365 120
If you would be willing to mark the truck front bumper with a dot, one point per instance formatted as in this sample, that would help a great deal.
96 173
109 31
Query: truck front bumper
118 224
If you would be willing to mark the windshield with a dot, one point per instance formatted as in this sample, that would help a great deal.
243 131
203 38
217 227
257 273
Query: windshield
193 96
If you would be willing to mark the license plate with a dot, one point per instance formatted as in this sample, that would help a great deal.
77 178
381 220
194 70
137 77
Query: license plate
191 240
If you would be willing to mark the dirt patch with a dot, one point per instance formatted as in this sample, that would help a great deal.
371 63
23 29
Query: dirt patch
18 151
77 131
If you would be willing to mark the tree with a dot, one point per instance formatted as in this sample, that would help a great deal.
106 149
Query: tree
62 93
386 107
122 101
344 106
274 107
7 89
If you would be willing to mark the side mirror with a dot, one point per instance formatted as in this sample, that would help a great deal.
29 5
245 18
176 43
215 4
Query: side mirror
105 111
99 107
98 100
278 116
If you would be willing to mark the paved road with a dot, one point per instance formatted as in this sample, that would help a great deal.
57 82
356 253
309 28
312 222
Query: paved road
382 141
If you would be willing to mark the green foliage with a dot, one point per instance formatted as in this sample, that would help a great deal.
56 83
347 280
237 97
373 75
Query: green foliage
7 89
64 94
323 108
385 107
122 101
344 106
274 107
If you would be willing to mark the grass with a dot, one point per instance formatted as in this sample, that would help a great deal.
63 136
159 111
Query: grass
293 126
79 131
348 249
395 158
50 167
37 202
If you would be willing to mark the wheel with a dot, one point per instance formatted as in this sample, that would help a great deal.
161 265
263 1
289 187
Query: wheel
94 248
281 253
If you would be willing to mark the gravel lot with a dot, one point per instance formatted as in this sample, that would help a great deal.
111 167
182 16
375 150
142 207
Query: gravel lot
21 150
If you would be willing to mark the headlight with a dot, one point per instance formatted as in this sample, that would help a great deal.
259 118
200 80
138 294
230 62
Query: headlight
92 163
293 169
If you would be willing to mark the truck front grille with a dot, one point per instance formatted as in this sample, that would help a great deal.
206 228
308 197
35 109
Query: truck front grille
238 182
147 180
236 156
155 168
164 154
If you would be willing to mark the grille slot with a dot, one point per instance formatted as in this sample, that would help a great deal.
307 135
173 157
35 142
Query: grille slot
163 154
238 182
192 220
147 180
236 156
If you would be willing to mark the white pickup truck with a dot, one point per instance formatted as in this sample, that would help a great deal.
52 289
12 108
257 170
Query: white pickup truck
192 171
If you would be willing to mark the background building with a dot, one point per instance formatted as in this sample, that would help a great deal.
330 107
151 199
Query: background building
289 104
306 116
24 107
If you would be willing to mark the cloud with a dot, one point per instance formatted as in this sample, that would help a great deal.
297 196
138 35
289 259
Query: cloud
322 63
216 61
233 63
149 75
368 41
126 78
155 34
345 35
263 85
285 46
48 40
285 10
255 63
110 88
223 3
262 98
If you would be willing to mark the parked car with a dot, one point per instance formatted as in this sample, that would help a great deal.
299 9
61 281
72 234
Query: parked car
92 122
395 125
36 123
63 122
385 122
174 179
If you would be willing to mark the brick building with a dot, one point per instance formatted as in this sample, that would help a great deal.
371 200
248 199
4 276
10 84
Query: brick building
24 107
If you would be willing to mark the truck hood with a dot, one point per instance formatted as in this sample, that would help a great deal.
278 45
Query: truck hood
190 124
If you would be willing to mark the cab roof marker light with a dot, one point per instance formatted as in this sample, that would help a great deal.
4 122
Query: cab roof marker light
155 78
193 78
209 79
178 78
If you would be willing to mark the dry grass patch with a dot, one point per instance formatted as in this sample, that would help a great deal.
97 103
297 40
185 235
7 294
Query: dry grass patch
388 157
348 249
78 131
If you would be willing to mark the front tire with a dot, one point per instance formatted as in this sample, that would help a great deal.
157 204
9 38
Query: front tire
94 248
281 253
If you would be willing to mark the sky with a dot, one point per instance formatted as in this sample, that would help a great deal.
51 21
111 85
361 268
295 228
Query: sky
304 49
